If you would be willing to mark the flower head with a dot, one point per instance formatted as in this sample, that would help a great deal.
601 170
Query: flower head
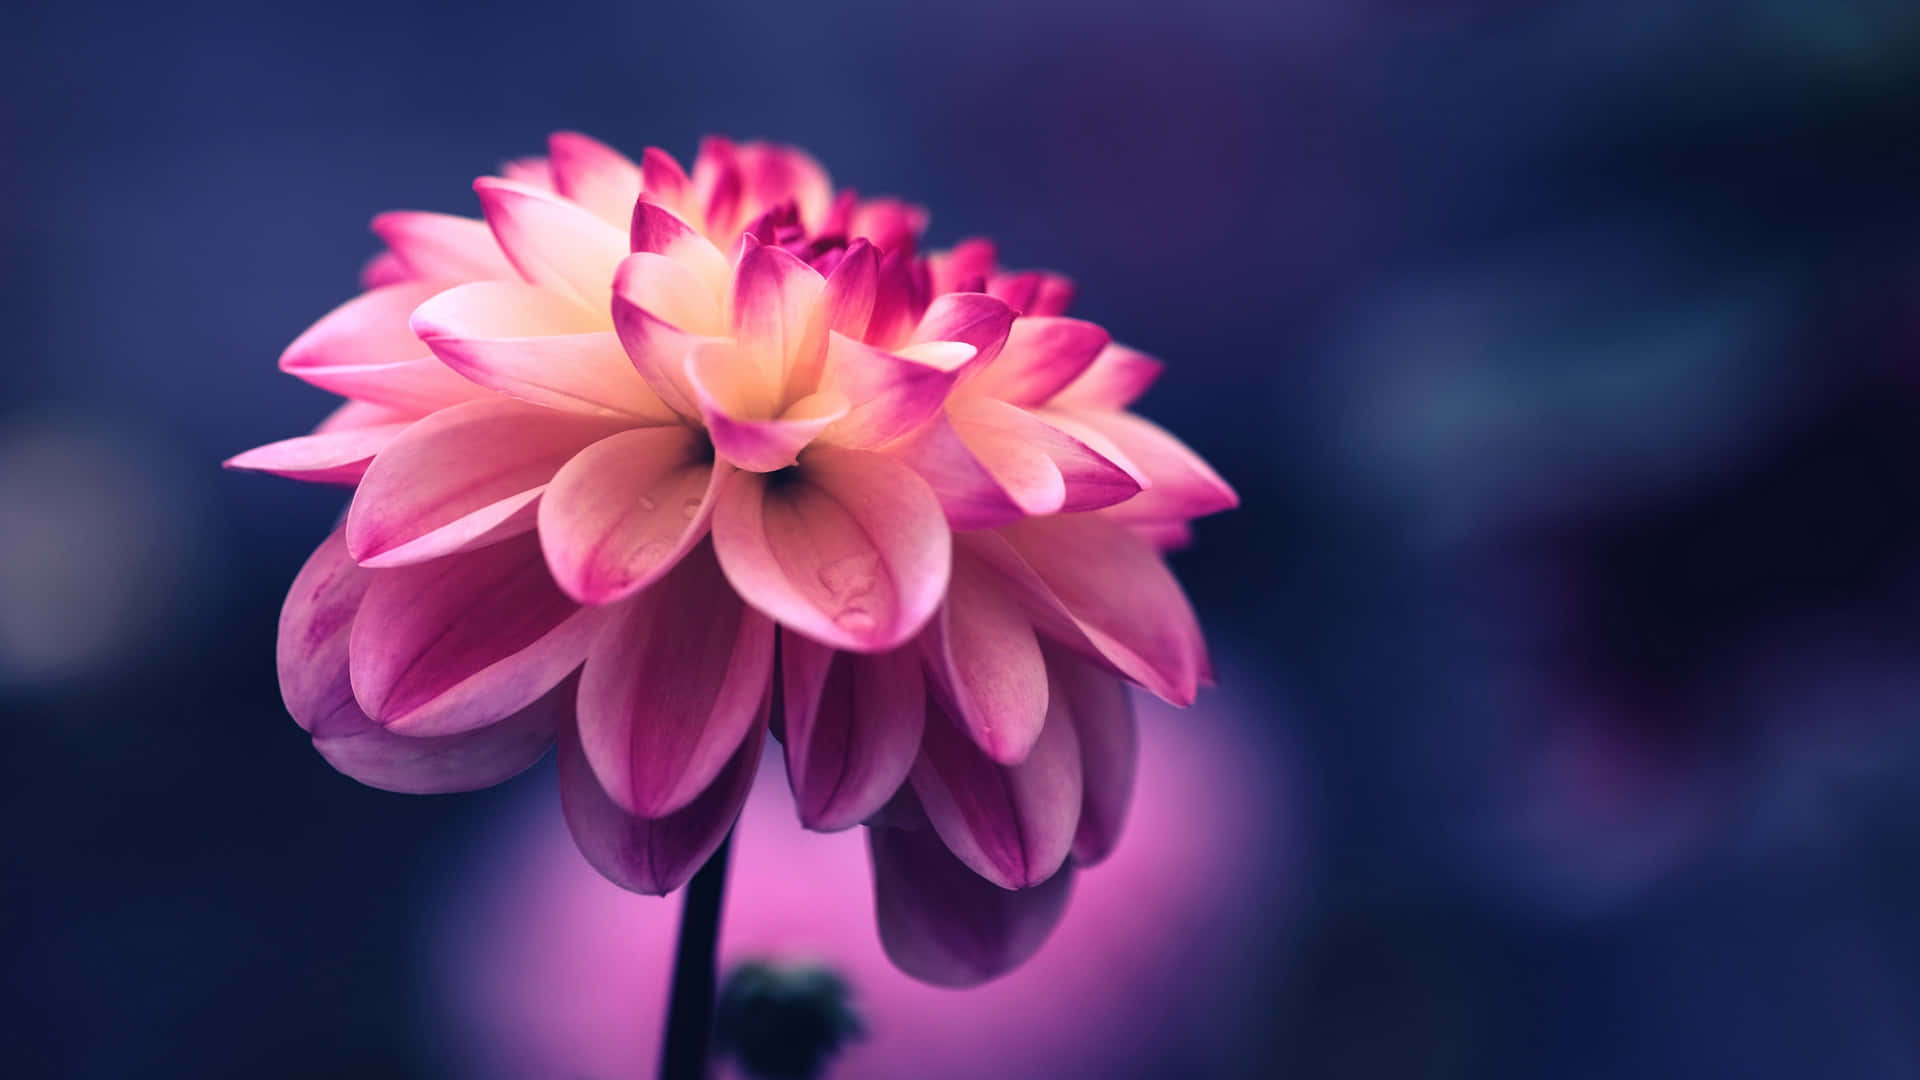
654 460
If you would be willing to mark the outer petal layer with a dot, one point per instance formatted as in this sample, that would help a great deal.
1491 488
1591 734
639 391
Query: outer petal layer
672 686
943 924
460 642
850 550
333 457
1012 824
852 728
982 651
658 855
554 243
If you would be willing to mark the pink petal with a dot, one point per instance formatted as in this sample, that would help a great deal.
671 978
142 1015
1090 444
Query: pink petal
659 231
943 924
773 174
335 457
1101 711
1182 485
663 181
315 626
900 299
365 349
1093 585
659 310
311 653
671 687
1011 824
460 642
533 171
537 346
594 175
983 654
850 549
734 398
554 243
1042 468
1041 356
1033 292
845 307
441 764
890 224
774 296
719 188
891 393
442 248
623 511
1116 378
360 414
852 728
463 477
1162 535
975 318
652 856
384 269
964 268
969 495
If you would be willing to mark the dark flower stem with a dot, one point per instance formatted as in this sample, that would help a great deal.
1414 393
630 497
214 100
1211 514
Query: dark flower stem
689 1041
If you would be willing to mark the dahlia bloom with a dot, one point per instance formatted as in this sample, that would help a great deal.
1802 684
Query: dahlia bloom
1163 969
652 461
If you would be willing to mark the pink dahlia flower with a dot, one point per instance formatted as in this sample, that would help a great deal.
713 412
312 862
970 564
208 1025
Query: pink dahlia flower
654 461
1162 968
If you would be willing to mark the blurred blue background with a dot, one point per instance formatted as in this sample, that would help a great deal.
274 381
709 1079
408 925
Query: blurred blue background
1566 356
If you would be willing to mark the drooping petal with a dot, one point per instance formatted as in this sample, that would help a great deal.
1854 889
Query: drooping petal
1033 292
437 765
594 175
463 477
652 856
975 318
852 728
334 457
365 349
982 652
623 511
890 393
660 308
1097 704
672 686
312 656
1183 485
735 402
969 495
554 243
1065 569
538 346
943 924
442 248
850 549
462 641
1116 379
1041 356
1042 468
1011 824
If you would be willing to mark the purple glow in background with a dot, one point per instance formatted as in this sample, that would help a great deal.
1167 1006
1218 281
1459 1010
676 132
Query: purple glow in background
545 970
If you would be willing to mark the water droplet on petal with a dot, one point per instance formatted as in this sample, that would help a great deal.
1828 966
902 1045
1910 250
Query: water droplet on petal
653 552
690 509
851 577
647 503
854 620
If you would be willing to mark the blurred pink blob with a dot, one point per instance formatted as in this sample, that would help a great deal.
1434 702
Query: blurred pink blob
548 970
